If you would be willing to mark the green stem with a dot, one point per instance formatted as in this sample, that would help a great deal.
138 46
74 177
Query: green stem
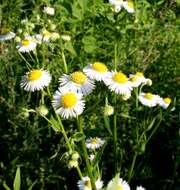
115 56
132 167
27 63
65 64
85 154
115 142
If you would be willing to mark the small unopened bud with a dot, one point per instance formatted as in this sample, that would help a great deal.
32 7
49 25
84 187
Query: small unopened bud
55 36
126 96
52 26
73 164
148 82
17 39
66 37
42 110
75 156
108 110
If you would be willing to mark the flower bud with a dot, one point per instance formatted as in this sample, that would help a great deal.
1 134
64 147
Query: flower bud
42 110
75 156
108 110
126 96
73 164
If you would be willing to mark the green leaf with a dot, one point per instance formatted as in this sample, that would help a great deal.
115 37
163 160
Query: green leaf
30 188
151 124
69 47
78 136
5 186
89 43
55 125
17 179
107 125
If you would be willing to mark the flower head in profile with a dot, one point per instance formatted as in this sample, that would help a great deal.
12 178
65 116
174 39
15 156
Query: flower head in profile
164 102
118 83
27 44
96 71
35 79
49 10
138 79
46 36
140 188
117 4
121 184
68 103
78 82
94 143
149 99
129 6
6 34
85 184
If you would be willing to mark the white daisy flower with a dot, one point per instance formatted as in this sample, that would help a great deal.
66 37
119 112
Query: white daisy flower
96 71
27 45
44 37
164 103
49 10
117 4
118 82
140 188
129 6
122 185
78 82
91 157
94 143
35 80
6 35
138 78
85 184
68 103
149 99
99 184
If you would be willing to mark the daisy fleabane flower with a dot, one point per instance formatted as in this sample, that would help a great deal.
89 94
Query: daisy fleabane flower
138 79
117 4
118 83
140 188
85 184
129 6
35 79
68 103
26 45
94 143
49 10
164 102
6 34
78 82
122 185
96 71
149 99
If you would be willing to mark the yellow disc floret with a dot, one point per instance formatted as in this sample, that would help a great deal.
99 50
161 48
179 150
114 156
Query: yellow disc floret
134 78
87 183
78 77
94 141
69 100
120 78
139 74
167 100
100 67
34 75
149 96
25 42
119 187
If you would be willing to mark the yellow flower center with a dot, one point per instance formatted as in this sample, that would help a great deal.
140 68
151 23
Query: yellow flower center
69 100
120 78
100 67
139 74
119 187
87 184
167 100
149 96
78 77
134 78
94 141
25 42
131 4
34 75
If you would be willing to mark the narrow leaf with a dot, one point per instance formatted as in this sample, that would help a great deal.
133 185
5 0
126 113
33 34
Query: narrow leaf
17 179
